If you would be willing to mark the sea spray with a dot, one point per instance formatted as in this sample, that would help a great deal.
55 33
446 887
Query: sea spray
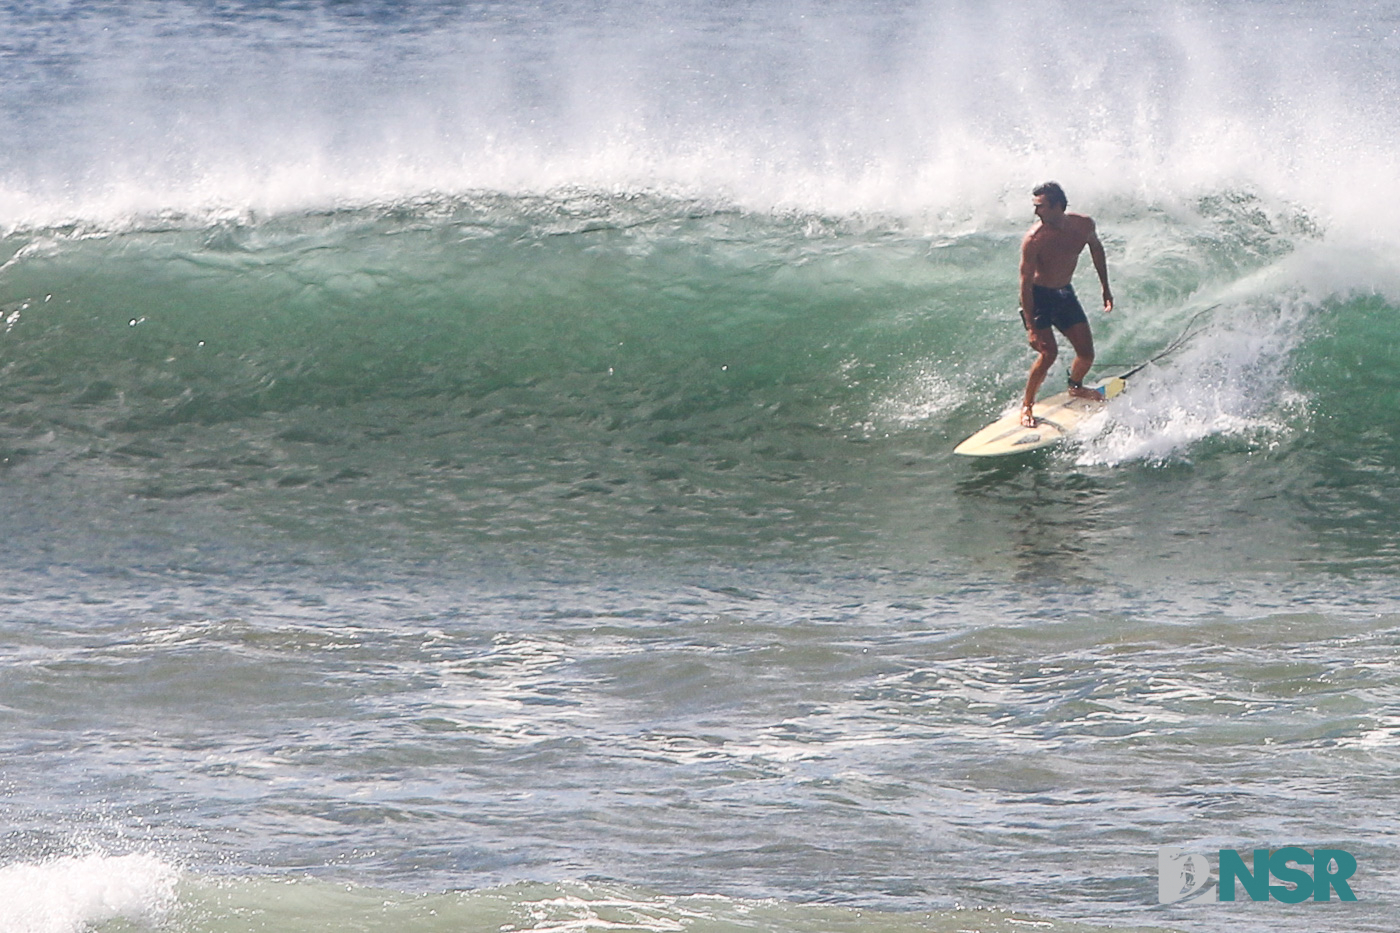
941 109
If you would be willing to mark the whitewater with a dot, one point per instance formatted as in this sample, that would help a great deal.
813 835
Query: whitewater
487 466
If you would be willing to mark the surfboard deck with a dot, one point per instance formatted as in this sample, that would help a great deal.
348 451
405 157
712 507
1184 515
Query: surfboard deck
1056 417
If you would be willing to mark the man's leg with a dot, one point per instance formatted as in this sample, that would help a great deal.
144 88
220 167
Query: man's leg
1082 339
1049 349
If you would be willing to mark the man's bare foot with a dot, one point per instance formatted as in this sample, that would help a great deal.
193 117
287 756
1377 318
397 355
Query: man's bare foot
1028 418
1084 392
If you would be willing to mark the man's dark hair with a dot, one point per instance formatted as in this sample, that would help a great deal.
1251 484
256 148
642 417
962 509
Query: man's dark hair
1053 191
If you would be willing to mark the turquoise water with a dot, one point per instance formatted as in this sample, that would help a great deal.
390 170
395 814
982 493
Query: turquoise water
489 466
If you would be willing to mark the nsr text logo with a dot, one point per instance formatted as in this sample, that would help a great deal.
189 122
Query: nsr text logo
1185 877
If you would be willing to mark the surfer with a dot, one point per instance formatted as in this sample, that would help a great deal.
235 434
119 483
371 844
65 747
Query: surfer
1049 254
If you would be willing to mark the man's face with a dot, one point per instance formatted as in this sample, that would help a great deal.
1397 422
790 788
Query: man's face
1045 209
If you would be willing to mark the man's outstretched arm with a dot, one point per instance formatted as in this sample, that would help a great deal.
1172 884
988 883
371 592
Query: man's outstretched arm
1096 253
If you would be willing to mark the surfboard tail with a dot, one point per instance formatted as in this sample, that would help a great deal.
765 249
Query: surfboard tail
1056 417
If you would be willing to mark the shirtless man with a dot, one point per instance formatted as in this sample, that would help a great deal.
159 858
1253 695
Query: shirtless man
1049 254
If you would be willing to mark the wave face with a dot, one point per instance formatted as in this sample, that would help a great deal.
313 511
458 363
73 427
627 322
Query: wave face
489 464
566 373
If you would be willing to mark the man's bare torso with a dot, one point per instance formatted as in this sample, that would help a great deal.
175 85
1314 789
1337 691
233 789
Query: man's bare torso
1054 251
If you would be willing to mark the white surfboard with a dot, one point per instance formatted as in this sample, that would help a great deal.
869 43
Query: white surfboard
1055 417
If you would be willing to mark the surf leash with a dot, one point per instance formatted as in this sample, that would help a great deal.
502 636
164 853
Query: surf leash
1186 334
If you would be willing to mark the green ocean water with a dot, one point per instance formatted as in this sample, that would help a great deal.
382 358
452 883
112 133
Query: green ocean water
586 375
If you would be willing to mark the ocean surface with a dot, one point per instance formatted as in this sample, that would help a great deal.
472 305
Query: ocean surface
486 466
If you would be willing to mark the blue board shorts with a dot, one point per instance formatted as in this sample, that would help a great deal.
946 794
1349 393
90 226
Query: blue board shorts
1056 307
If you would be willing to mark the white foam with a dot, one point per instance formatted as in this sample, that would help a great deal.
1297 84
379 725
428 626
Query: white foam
1232 379
72 894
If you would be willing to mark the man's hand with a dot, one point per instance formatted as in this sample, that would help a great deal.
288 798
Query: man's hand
1037 341
1107 301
